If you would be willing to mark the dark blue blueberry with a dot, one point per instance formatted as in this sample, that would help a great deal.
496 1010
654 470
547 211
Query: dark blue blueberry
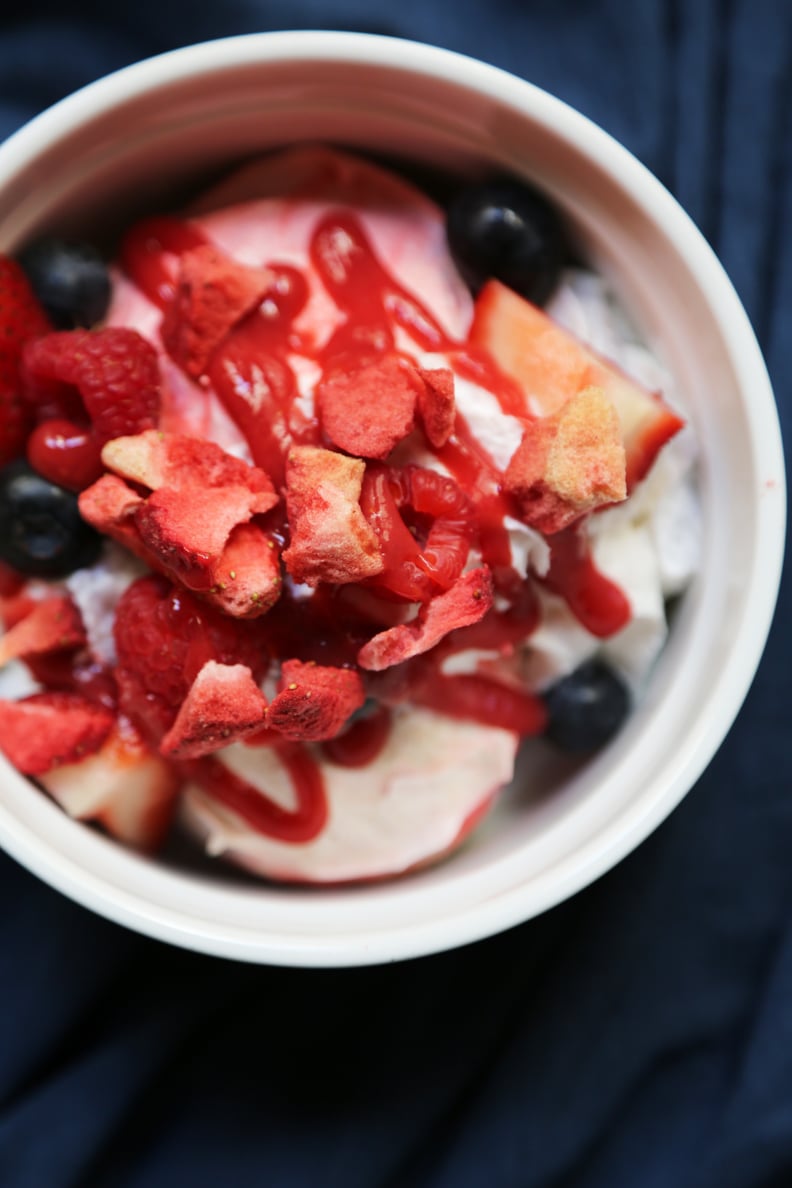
508 231
70 280
586 708
42 533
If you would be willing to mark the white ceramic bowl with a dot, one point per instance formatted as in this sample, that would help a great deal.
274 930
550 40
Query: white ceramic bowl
124 141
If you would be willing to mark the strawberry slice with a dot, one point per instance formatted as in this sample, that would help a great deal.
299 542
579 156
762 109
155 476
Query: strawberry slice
551 366
52 625
223 705
314 701
46 730
466 602
124 786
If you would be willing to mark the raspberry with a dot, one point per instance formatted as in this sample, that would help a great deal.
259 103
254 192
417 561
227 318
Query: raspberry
164 637
115 372
21 318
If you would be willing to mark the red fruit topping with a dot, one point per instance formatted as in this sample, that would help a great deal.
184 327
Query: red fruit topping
369 410
66 454
466 602
362 741
164 637
156 459
412 569
124 786
110 506
597 602
330 538
52 625
148 254
11 583
48 730
569 463
21 318
246 580
551 365
114 371
223 705
314 702
213 293
436 405
478 699
188 528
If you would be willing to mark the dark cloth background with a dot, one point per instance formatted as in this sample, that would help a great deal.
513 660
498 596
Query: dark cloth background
638 1036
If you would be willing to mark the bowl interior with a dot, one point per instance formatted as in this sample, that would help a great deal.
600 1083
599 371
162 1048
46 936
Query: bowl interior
146 137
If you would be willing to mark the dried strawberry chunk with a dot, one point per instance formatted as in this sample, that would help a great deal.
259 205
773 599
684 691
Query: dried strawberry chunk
109 506
213 293
569 463
223 705
52 625
188 528
368 411
21 318
155 459
314 702
47 730
466 602
331 540
114 372
246 579
436 404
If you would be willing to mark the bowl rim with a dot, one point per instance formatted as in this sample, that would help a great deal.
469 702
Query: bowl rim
616 839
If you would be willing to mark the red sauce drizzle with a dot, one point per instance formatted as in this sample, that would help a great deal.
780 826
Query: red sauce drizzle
362 742
302 824
599 604
147 252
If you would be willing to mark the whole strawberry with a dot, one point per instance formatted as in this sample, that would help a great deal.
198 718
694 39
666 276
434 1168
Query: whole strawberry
21 318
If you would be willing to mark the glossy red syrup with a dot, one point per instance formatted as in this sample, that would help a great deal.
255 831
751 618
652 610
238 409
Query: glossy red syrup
426 523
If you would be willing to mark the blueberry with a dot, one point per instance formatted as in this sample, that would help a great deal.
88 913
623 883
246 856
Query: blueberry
586 708
70 280
42 533
509 231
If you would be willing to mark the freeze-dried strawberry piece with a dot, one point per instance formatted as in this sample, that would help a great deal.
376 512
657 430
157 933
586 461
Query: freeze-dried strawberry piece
113 372
52 625
125 786
223 705
331 540
436 404
466 602
314 702
46 730
569 463
174 460
188 528
213 293
246 579
368 411
110 505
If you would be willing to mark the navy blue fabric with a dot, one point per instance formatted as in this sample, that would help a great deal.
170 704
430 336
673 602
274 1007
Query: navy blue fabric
638 1036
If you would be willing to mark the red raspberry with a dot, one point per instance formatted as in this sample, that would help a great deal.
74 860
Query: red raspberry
164 637
21 318
115 372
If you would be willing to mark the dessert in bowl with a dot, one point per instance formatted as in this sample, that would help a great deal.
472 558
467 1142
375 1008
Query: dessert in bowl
561 821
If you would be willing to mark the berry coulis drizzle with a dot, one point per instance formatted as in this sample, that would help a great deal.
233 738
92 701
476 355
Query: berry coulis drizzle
252 376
